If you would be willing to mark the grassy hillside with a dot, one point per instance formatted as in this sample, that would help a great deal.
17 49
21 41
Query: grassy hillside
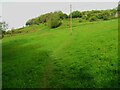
43 57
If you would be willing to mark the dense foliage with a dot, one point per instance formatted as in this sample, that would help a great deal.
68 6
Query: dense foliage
76 14
118 7
3 27
53 19
98 15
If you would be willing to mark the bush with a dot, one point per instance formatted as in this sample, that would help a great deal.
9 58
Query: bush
28 23
8 32
81 20
118 8
105 15
93 18
32 21
60 14
65 15
43 18
54 21
76 14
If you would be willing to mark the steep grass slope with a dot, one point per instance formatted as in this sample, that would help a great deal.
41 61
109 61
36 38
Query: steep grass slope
54 58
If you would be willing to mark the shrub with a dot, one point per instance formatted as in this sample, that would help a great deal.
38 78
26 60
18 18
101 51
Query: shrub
81 20
118 8
93 18
61 14
8 32
65 15
43 18
105 16
76 14
32 21
54 21
28 23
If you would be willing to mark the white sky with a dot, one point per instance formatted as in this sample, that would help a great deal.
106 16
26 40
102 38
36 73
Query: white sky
59 0
17 13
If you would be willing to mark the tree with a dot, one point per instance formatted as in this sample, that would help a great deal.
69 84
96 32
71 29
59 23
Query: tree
105 15
93 18
54 21
118 7
65 16
76 14
3 27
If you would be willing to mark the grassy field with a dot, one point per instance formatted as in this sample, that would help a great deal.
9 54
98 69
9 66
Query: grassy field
52 58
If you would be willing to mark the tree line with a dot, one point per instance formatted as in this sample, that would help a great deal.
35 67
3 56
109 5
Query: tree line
53 19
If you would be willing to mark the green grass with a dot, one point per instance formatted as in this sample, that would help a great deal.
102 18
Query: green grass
52 58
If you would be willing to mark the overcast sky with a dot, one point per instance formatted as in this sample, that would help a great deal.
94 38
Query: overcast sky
17 13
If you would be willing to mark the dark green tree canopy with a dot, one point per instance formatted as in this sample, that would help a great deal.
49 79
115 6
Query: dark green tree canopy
76 14
45 17
3 27
57 16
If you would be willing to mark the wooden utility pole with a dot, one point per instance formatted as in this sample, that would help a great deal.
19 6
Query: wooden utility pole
70 19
